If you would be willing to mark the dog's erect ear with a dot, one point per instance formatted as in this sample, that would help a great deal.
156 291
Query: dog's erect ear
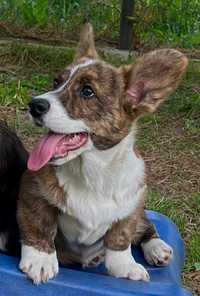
154 77
86 45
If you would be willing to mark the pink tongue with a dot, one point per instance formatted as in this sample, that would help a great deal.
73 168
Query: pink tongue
43 151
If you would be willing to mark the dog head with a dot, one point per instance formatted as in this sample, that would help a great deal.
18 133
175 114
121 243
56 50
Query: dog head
94 104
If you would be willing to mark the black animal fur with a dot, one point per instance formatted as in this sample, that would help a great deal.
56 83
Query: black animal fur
13 159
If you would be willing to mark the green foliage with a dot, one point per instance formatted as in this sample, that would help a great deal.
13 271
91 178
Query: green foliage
197 266
27 12
155 21
64 14
173 22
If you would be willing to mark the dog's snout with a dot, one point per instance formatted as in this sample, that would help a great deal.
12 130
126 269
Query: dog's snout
39 107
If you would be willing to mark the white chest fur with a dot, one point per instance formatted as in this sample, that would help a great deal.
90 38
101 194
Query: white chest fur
101 187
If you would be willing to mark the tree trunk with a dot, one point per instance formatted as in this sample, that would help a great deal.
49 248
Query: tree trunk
126 26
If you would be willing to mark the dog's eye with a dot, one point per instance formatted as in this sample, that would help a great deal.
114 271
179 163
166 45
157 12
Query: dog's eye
56 83
87 92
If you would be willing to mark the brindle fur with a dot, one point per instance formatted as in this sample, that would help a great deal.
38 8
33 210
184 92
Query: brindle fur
134 230
109 115
38 208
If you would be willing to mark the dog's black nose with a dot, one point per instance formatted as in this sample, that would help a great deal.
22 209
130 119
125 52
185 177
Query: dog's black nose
39 107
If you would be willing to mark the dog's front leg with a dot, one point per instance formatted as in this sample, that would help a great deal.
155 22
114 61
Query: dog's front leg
121 264
38 225
118 257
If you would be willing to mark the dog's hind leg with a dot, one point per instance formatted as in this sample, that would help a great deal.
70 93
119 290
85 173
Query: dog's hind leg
156 251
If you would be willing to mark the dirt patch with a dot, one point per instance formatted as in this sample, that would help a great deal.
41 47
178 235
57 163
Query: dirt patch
193 281
172 158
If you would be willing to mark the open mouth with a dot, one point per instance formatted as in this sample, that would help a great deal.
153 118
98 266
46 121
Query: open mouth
69 143
55 146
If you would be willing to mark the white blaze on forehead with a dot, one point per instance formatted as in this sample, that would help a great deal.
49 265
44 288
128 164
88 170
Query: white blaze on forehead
88 62
57 118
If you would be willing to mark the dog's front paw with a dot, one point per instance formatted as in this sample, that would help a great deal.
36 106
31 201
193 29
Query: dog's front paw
157 252
131 270
39 266
121 264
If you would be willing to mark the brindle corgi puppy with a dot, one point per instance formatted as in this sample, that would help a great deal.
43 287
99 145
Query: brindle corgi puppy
82 197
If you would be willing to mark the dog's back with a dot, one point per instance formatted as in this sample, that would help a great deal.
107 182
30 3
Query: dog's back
13 157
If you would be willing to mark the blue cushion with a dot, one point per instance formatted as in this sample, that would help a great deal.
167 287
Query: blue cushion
75 281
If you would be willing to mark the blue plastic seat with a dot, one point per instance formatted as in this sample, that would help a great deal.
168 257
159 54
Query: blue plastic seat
73 281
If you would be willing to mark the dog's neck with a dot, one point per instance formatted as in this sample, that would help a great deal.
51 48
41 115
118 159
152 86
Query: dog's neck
100 170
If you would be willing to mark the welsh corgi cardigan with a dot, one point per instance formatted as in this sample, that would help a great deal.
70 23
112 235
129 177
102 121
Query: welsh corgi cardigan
82 197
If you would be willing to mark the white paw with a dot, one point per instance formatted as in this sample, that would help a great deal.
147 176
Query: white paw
131 270
157 252
121 264
39 266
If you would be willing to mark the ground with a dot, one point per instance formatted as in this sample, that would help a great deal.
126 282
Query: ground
168 140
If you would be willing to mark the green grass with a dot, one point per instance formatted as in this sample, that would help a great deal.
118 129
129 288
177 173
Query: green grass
183 213
50 61
30 61
193 252
41 58
171 208
37 66
64 15
169 22
155 22
18 91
